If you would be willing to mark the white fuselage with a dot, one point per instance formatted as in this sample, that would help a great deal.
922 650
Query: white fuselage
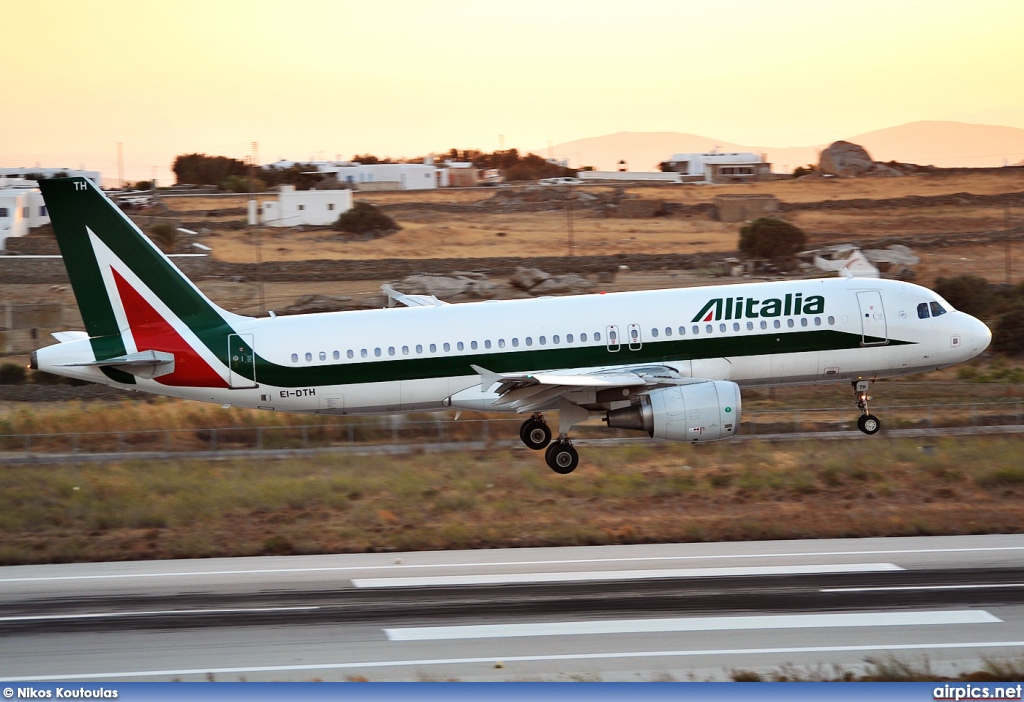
428 349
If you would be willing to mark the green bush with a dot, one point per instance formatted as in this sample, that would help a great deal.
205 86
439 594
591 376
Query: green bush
165 235
364 218
12 374
968 293
772 239
1008 331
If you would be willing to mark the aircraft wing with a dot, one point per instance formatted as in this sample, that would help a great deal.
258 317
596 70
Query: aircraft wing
528 392
410 300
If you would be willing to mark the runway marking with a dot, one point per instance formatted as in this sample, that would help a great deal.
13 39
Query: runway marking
489 660
592 576
190 612
894 588
675 624
499 564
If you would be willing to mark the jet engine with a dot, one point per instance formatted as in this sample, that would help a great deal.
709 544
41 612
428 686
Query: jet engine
701 411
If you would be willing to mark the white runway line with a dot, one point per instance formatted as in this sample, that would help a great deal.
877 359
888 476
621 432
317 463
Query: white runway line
164 612
602 575
490 660
678 624
500 564
897 588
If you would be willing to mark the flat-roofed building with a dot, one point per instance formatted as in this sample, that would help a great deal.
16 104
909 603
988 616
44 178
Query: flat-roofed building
721 167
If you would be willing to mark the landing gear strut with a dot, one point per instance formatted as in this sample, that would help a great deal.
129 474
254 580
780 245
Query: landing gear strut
868 423
535 432
561 457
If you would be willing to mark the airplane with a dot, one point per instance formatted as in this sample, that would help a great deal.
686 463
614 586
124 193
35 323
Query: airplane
670 363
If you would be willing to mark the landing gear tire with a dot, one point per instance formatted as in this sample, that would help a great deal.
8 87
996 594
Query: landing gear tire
869 424
562 457
535 434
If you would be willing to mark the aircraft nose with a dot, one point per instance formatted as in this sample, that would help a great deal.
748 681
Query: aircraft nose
981 335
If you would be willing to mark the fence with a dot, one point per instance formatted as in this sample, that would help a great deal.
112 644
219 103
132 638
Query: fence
399 430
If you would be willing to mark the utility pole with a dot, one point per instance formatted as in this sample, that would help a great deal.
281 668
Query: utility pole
254 226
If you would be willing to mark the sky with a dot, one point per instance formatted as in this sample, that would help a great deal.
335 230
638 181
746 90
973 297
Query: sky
320 80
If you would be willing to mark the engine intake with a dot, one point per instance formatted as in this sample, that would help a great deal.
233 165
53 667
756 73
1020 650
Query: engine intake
702 411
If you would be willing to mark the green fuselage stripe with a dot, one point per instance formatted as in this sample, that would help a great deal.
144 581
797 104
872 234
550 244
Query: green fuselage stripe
537 359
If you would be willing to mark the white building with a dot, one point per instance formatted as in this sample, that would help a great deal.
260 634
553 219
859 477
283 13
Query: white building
386 176
720 167
21 208
304 207
94 176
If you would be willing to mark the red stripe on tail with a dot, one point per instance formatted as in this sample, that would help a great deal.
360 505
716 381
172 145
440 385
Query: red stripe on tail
154 333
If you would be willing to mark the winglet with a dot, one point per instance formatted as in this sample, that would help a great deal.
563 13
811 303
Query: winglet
487 378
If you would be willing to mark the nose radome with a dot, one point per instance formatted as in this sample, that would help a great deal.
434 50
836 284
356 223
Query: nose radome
981 335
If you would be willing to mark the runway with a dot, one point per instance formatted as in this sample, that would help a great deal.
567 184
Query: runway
648 612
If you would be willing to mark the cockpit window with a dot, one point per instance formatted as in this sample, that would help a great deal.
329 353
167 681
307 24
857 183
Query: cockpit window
922 310
937 309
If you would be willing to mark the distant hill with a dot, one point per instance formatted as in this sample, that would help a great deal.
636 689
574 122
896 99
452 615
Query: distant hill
946 144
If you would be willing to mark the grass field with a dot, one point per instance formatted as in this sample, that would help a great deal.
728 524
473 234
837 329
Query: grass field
633 494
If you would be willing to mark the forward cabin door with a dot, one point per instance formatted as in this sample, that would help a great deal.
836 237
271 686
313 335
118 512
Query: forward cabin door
241 361
872 318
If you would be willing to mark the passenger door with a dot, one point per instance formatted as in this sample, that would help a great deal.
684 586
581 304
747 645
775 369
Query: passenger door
872 318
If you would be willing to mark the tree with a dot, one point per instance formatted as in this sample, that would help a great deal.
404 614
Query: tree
165 235
1008 331
200 169
968 293
804 170
772 239
364 218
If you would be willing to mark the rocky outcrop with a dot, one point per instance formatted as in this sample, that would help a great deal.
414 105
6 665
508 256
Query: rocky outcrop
851 160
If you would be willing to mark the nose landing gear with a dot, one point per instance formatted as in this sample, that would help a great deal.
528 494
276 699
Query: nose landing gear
868 423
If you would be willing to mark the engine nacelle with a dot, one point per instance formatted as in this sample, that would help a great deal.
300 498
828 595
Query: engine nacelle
702 411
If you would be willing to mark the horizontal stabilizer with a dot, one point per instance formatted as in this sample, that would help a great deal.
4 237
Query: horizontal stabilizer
145 364
66 336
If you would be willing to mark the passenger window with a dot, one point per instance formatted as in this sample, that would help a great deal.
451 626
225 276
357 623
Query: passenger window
515 341
597 337
309 356
323 355
460 346
391 350
376 352
922 311
682 331
529 341
778 324
362 353
831 320
721 327
696 329
790 323
764 324
554 339
295 358
735 326
817 321
350 353
668 331
654 332
803 321
709 328
419 348
750 326
433 348
447 346
583 337
568 338
542 341
937 310
487 344
337 355
501 343
472 345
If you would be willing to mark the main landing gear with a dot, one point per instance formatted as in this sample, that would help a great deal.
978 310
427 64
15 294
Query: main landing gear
560 456
868 423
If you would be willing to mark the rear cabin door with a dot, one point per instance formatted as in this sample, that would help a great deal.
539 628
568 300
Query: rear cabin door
241 361
872 318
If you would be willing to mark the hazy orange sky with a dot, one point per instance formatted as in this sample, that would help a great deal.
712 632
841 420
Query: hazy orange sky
323 79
